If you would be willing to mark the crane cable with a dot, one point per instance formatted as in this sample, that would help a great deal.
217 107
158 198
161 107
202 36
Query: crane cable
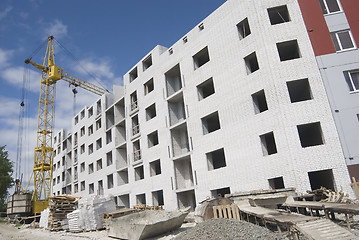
81 66
19 160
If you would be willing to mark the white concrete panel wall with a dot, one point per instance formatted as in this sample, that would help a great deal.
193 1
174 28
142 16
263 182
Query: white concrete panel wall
246 167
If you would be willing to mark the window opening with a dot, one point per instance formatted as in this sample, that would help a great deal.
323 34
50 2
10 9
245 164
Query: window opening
243 29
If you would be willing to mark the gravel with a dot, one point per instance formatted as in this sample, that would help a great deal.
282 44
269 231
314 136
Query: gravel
223 229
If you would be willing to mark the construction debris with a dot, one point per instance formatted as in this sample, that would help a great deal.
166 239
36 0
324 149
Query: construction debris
145 224
59 207
328 195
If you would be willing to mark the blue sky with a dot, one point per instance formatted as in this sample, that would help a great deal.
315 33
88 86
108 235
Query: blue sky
106 37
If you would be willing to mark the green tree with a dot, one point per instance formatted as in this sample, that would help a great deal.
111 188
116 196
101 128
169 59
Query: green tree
6 180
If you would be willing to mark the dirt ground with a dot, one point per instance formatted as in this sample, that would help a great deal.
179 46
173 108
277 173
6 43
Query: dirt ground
10 231
25 232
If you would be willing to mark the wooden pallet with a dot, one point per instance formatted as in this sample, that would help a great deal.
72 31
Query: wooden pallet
226 211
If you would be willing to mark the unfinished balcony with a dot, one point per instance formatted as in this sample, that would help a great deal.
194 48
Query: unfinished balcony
119 111
136 151
121 157
134 103
173 80
120 134
135 127
179 139
176 110
183 173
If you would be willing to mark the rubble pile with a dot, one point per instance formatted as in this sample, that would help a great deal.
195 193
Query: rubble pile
327 195
224 229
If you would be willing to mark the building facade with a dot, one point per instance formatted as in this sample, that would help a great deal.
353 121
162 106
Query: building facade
246 100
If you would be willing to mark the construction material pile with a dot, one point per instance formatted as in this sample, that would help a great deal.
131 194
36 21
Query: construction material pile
328 195
59 207
89 215
228 229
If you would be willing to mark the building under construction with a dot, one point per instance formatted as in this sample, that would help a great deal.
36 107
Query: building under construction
259 95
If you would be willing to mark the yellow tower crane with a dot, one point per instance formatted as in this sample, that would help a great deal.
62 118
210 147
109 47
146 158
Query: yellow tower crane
43 154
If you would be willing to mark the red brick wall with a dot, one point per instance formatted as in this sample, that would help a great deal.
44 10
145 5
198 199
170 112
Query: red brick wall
317 27
351 8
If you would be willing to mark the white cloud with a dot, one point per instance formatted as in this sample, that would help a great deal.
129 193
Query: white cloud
5 55
14 76
100 69
5 12
56 29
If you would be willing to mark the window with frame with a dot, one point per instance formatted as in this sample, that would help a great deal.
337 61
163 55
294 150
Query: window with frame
352 78
329 6
342 40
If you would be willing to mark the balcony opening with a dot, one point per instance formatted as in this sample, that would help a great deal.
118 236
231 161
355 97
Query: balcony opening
183 173
251 63
122 177
310 134
278 15
259 102
210 123
186 199
216 159
110 117
180 143
176 110
201 58
135 125
269 146
137 151
299 90
205 89
288 50
243 29
173 80
134 104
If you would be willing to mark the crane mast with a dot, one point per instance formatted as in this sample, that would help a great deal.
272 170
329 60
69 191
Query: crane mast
43 153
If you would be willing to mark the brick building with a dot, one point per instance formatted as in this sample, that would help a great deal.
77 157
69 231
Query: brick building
259 95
